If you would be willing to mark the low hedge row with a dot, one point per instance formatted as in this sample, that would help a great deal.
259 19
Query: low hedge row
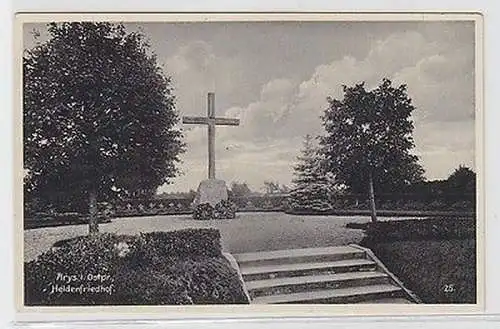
421 229
184 243
38 222
179 267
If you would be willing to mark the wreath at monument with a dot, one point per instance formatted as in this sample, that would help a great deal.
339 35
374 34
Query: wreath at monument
203 211
225 209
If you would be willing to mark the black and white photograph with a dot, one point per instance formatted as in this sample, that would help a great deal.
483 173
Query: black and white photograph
250 161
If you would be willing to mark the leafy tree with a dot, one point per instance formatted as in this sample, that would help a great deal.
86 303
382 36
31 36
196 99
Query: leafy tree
312 189
239 190
462 180
275 188
369 138
99 115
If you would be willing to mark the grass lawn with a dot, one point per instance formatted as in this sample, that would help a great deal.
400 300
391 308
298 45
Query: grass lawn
437 271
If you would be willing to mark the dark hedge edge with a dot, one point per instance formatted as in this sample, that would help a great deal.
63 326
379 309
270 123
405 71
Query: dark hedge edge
433 228
434 257
53 221
158 268
381 213
438 271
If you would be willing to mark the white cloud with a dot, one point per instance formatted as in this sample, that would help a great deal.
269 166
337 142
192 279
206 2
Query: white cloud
441 89
440 82
196 70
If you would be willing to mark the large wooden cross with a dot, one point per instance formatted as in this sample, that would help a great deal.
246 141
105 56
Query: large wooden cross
211 121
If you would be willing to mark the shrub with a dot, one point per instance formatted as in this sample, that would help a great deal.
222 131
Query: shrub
211 280
387 205
459 205
437 205
363 205
180 267
401 205
413 205
338 204
203 211
225 209
285 205
156 287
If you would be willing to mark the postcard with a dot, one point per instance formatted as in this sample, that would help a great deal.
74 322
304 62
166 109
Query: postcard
227 164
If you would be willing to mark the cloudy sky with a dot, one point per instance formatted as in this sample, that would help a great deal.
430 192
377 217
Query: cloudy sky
275 78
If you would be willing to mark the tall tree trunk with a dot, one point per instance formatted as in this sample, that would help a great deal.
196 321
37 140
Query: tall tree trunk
373 211
93 221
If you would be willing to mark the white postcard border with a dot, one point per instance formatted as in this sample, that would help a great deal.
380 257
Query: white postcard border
231 311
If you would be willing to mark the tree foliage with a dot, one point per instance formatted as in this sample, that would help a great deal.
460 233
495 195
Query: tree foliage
239 190
271 187
368 139
99 114
311 188
462 180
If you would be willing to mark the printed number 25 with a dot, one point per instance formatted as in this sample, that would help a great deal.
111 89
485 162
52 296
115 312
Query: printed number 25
449 288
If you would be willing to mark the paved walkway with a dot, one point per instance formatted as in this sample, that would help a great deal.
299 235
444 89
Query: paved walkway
248 232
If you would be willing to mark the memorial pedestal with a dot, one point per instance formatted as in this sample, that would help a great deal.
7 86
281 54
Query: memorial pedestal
211 191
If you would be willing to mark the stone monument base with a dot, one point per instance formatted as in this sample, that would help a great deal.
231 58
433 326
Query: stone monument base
211 191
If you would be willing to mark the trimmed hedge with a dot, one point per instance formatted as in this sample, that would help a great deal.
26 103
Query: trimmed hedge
342 204
158 268
441 271
51 220
204 242
434 257
421 229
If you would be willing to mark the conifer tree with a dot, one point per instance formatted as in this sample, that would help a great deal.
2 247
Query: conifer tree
311 190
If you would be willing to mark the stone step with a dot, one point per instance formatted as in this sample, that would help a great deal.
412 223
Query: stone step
334 296
314 282
299 255
262 272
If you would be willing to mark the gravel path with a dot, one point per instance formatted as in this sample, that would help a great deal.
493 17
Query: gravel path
247 232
